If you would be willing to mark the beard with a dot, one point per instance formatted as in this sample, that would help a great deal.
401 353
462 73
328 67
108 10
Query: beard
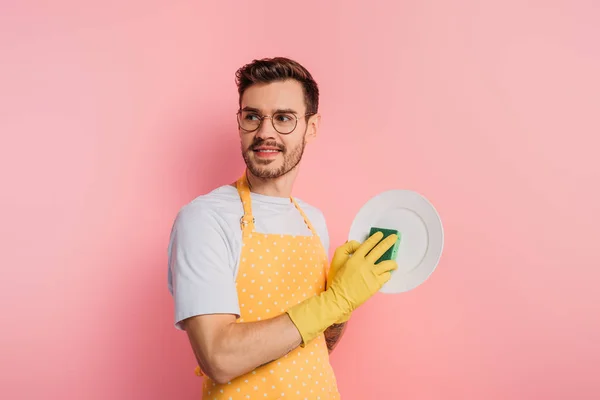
262 168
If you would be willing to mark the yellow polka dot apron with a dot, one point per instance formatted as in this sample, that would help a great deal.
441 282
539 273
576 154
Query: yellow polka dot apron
275 272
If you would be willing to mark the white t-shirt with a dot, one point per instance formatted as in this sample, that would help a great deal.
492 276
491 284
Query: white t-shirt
206 242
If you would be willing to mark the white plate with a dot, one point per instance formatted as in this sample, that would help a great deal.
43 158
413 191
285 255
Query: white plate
421 235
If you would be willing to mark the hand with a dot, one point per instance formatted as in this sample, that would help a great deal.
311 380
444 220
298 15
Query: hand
360 278
354 283
340 257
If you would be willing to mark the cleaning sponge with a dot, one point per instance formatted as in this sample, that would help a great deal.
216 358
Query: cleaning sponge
392 252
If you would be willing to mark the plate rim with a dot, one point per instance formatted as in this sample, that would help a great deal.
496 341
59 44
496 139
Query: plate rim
438 224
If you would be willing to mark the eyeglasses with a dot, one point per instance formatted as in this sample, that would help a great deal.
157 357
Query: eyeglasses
283 122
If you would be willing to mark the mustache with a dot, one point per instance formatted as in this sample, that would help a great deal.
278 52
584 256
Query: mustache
262 142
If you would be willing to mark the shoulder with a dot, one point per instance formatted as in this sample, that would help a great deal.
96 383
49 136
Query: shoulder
202 233
207 211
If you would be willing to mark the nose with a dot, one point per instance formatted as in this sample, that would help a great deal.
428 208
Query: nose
266 130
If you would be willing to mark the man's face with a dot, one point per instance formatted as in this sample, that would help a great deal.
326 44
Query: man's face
269 154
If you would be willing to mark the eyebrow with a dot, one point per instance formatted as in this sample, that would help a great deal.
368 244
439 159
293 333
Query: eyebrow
279 110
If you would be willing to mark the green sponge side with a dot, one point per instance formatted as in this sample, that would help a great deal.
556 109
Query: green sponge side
392 252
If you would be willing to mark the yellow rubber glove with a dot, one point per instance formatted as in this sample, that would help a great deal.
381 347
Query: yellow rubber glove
341 255
353 284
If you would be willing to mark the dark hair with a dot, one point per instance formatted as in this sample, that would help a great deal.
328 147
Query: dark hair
276 69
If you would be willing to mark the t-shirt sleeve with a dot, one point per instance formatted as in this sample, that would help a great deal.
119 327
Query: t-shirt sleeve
201 274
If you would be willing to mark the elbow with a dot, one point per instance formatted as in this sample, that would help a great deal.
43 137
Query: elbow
219 371
222 379
211 351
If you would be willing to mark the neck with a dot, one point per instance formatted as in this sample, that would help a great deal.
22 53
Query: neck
277 187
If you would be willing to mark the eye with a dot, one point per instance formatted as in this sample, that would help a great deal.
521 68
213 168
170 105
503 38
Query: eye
284 117
251 117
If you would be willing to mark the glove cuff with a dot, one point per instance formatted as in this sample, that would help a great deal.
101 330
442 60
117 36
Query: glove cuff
314 315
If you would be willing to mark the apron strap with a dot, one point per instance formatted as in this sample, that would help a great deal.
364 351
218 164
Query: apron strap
247 220
306 220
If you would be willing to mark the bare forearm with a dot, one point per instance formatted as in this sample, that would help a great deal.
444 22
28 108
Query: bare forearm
333 334
246 346
241 347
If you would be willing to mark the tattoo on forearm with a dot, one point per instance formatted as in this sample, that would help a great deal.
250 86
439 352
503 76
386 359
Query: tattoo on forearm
333 334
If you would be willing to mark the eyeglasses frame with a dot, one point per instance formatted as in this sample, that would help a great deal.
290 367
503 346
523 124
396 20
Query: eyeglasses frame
262 117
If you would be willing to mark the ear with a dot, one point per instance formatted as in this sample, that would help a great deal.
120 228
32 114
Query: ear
313 127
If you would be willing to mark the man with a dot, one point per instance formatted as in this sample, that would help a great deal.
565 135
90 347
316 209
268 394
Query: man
248 264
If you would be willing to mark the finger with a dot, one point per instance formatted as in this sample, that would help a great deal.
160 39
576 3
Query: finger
368 244
381 248
351 247
385 266
345 250
384 278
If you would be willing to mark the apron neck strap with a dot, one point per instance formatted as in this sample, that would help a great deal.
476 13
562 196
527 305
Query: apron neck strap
247 221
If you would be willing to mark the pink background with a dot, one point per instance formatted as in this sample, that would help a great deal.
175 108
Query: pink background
115 114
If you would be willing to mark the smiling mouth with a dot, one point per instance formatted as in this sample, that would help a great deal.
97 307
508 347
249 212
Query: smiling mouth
266 147
266 153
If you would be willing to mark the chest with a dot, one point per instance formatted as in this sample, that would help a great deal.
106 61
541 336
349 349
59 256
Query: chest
278 271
